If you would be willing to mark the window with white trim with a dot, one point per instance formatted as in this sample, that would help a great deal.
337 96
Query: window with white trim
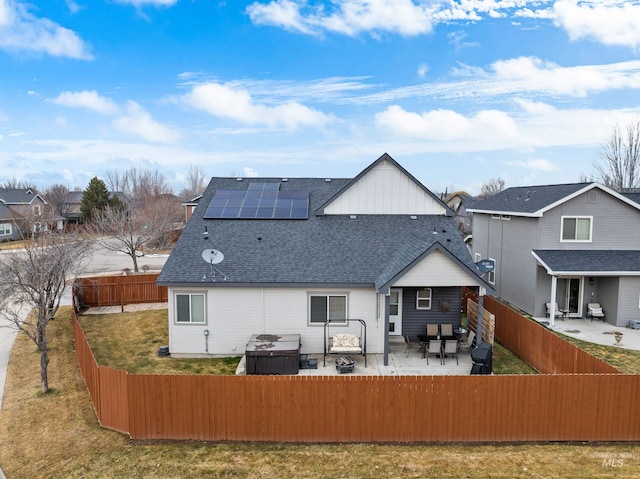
37 211
491 276
576 228
327 306
423 298
190 308
5 229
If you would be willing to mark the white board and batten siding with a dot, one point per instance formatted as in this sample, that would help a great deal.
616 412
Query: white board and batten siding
437 269
233 315
384 190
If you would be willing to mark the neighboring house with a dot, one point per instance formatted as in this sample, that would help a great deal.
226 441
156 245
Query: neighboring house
460 202
70 208
570 244
23 210
290 253
190 206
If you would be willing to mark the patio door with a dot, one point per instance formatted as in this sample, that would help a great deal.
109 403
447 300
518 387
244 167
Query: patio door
568 294
395 312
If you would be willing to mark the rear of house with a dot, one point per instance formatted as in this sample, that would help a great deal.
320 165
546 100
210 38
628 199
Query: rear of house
284 255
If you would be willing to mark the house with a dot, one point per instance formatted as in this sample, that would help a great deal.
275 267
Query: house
70 208
460 202
283 255
570 244
190 206
23 210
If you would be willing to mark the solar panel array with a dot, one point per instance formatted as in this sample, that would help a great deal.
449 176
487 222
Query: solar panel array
259 201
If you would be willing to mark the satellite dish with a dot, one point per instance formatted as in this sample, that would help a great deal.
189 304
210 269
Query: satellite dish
212 256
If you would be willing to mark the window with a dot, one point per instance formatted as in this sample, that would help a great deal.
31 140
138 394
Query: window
423 299
576 228
5 229
327 306
477 257
495 216
491 276
36 210
190 308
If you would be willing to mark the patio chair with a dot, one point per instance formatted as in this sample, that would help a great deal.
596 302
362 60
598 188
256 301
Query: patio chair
432 331
557 314
468 344
434 347
411 342
594 310
450 347
446 331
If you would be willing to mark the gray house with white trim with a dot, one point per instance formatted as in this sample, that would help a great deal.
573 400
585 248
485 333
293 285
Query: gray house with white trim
570 244
283 255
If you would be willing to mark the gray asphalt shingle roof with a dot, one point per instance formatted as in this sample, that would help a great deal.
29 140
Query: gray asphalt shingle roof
526 199
322 250
17 195
591 261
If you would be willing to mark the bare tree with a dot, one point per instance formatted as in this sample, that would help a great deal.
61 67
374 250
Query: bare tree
117 182
33 281
491 187
16 184
56 196
121 231
195 183
619 165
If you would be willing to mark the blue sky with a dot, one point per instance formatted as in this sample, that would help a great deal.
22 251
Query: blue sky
458 92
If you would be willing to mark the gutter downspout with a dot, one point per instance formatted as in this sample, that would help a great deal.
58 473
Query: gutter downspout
387 308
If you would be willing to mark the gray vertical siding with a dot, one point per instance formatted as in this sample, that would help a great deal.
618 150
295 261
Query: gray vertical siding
415 321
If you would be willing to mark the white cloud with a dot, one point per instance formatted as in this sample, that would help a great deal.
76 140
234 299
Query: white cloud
21 31
423 68
348 17
138 122
73 6
447 125
606 22
250 172
87 99
224 101
154 3
539 165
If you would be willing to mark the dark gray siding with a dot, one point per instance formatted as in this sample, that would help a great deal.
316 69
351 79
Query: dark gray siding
415 321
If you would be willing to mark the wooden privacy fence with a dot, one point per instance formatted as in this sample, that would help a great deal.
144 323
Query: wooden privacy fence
346 408
400 409
119 290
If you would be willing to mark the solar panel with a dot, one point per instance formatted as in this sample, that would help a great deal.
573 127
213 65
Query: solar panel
259 201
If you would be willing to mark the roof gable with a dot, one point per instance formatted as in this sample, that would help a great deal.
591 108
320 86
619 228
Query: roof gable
534 201
19 196
384 188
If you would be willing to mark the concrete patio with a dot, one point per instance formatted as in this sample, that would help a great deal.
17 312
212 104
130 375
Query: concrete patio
400 364
598 332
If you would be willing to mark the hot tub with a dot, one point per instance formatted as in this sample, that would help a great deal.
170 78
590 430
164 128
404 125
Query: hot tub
273 354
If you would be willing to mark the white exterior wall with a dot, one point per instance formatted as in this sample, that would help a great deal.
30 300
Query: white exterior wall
234 314
436 270
384 190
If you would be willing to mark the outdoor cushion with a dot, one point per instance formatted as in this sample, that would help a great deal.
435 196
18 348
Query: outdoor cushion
345 343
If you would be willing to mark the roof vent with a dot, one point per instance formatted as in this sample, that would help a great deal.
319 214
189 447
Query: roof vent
413 217
238 179
353 217
284 180
327 180
434 231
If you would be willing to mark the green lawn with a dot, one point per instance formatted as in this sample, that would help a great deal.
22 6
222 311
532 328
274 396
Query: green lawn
57 436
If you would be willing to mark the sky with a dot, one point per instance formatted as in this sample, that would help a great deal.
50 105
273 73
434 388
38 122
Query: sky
458 92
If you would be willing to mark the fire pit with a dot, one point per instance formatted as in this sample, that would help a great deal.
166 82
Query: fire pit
345 364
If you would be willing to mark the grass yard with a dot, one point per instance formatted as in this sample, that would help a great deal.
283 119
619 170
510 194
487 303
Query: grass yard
145 331
626 360
57 436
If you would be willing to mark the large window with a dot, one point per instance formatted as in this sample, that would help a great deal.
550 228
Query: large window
5 229
327 306
576 228
190 308
423 299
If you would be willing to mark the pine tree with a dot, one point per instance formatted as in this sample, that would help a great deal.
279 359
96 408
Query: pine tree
96 198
